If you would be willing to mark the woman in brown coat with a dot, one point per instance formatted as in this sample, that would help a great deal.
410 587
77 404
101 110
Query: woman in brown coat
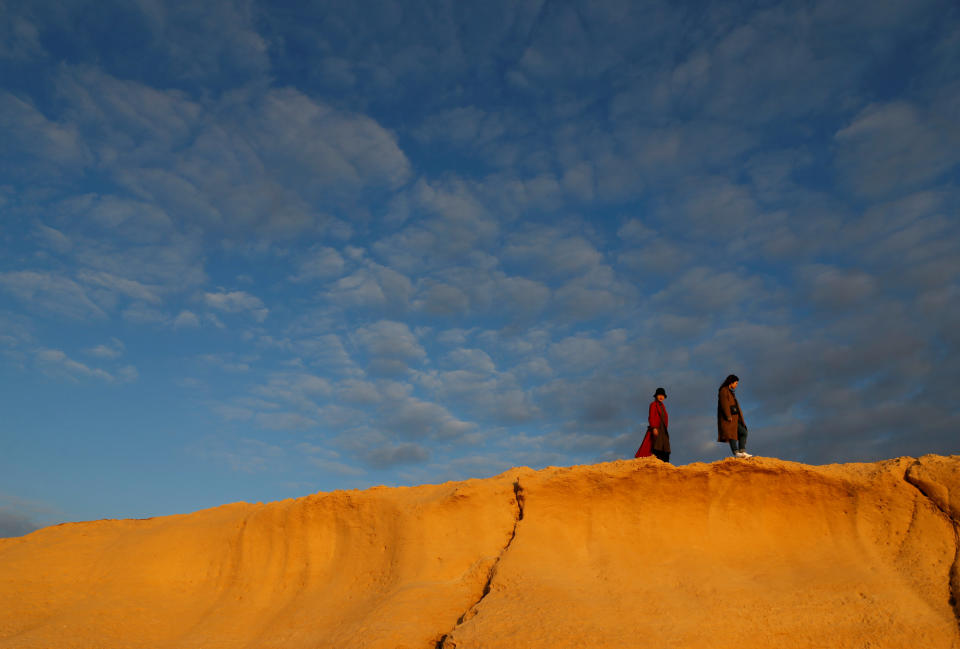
730 424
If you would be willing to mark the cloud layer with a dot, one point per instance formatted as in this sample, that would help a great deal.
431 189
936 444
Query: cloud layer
393 244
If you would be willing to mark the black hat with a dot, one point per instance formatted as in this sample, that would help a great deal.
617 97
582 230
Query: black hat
660 391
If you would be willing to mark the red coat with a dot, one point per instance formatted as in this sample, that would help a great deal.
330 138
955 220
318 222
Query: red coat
659 418
646 445
653 418
662 441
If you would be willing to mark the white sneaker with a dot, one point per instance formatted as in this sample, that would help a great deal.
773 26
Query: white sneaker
739 454
744 454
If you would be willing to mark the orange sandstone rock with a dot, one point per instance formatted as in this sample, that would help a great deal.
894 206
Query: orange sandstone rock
757 553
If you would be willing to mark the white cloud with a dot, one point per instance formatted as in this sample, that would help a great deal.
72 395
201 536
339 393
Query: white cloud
237 302
533 369
195 43
395 454
51 293
594 295
128 374
549 252
462 126
114 349
299 389
838 288
579 181
442 299
657 258
143 264
53 239
50 147
892 147
141 313
110 285
244 455
678 327
228 362
15 332
635 231
251 160
519 296
232 412
117 107
416 418
515 195
448 222
267 161
358 392
186 320
603 403
214 320
284 421
476 389
372 286
467 290
338 468
711 208
702 291
454 336
584 353
56 362
320 263
327 351
564 48
389 338
391 347
19 36
474 360
131 220
380 451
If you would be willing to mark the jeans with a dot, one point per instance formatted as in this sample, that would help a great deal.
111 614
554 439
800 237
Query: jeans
741 440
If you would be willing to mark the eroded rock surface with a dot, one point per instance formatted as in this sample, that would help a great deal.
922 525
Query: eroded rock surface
757 553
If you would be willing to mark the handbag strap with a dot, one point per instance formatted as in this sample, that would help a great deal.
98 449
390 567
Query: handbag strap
663 416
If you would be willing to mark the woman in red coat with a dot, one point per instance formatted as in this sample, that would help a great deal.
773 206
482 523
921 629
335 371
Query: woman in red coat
657 439
730 424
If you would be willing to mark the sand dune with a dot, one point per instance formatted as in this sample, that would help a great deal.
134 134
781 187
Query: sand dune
757 553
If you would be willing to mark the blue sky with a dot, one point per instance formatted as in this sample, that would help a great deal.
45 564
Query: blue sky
254 250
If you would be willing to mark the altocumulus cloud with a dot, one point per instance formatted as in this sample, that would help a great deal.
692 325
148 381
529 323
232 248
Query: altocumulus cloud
340 245
237 302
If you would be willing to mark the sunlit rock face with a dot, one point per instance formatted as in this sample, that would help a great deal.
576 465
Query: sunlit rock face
738 553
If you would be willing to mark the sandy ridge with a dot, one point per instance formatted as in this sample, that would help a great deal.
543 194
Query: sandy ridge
936 479
760 553
518 496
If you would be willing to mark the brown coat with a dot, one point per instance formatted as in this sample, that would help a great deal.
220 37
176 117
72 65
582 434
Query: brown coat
729 416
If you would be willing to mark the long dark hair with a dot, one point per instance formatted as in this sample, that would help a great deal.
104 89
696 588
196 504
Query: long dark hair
733 378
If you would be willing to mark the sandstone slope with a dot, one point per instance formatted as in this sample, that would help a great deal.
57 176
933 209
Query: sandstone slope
757 553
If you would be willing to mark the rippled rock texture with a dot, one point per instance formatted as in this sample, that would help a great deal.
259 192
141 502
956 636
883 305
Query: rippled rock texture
738 553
